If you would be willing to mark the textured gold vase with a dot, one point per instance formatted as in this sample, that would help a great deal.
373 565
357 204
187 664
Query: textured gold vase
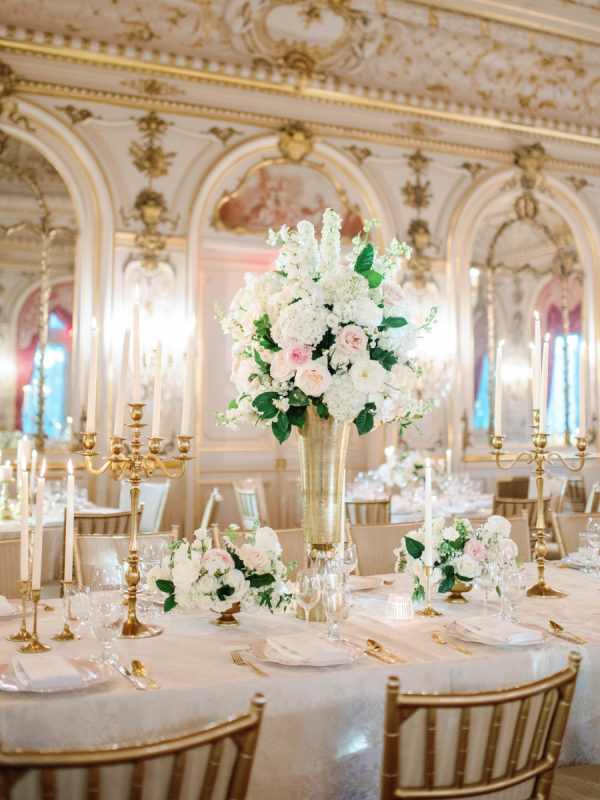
322 445
226 618
456 594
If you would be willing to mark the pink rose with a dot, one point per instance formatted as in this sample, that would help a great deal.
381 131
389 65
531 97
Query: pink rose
352 340
393 295
297 355
313 379
217 560
243 367
254 558
475 549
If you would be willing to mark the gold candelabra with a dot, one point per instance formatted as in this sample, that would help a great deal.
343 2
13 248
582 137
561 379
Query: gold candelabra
22 635
429 610
539 456
136 466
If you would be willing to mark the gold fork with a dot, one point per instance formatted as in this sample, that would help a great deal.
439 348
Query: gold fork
238 659
438 639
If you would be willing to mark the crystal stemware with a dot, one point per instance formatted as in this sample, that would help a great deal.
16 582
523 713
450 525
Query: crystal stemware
76 608
335 599
308 590
349 559
513 588
107 613
486 581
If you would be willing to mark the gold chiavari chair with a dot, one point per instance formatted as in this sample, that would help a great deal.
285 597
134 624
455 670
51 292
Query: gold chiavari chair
513 506
219 756
102 524
375 545
368 512
10 585
103 551
211 508
519 532
251 502
593 501
512 487
567 526
466 745
575 495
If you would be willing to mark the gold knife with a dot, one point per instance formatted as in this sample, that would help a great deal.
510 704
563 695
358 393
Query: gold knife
380 657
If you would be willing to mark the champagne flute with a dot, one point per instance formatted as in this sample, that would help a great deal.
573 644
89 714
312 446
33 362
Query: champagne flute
308 590
349 560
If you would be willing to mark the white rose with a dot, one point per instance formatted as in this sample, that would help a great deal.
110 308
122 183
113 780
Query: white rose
267 539
450 534
313 378
255 558
466 567
393 294
181 553
498 525
157 573
352 340
280 369
403 377
390 409
184 574
368 376
367 312
238 583
207 584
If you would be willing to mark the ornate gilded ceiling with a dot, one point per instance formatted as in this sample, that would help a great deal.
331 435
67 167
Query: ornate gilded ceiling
372 48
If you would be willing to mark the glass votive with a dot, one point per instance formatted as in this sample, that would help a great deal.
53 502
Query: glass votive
400 606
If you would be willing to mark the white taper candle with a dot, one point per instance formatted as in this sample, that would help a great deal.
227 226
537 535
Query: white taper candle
24 550
537 365
582 389
157 388
137 383
69 524
187 389
498 392
428 553
36 569
32 475
90 425
122 388
544 384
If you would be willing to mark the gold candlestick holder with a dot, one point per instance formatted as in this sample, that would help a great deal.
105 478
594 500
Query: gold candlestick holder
429 610
66 635
22 635
6 512
538 455
34 645
136 467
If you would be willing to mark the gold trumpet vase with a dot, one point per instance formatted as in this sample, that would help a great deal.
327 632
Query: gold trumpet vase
322 445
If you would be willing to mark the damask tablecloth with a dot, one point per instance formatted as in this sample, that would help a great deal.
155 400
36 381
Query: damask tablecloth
322 732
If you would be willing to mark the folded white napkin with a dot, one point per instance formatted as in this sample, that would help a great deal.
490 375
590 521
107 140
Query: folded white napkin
495 630
6 607
47 672
305 648
358 582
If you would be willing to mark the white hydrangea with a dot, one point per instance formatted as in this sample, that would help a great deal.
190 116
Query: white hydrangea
343 400
400 340
300 323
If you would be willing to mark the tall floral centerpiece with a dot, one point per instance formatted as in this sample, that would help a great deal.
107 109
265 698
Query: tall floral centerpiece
321 343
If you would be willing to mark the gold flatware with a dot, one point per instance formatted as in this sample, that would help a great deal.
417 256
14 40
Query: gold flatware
379 656
389 583
376 647
238 659
48 607
127 673
439 640
558 630
140 670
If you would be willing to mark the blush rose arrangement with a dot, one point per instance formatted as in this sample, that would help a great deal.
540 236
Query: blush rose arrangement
321 331
459 551
199 575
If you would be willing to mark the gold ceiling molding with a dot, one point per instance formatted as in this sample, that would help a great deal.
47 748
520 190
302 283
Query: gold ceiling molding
354 96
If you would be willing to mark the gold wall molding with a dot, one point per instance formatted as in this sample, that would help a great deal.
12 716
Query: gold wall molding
316 90
320 128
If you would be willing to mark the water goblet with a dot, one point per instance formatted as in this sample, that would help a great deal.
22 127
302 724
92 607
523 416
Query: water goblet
513 588
308 590
349 559
486 581
108 577
76 609
335 599
107 613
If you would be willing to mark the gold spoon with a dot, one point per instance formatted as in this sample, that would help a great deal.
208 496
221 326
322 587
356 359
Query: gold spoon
141 671
377 647
559 629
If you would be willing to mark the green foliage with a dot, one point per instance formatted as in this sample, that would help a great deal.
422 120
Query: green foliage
165 586
326 342
263 333
449 580
170 603
225 591
364 262
296 415
281 427
393 322
297 397
264 579
414 548
386 358
366 419
263 403
233 404
322 411
418 592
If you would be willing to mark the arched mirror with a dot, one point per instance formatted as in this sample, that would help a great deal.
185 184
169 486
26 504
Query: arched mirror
37 233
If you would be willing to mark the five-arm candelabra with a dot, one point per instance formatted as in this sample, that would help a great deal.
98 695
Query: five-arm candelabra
539 456
135 467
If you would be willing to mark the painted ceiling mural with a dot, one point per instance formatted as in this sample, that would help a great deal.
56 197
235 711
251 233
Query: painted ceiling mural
397 45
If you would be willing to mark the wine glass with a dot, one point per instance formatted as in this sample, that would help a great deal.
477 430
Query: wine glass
486 581
308 590
335 599
349 559
586 551
107 613
76 608
108 577
513 588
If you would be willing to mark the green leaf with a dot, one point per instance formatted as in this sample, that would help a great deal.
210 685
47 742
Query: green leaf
374 278
414 548
418 593
264 579
297 397
297 415
225 591
165 586
364 422
463 580
393 322
281 427
169 603
447 584
263 403
364 262
262 364
322 411
498 592
233 404
326 342
386 358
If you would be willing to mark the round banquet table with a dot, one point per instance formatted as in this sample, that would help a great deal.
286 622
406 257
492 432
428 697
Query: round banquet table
322 732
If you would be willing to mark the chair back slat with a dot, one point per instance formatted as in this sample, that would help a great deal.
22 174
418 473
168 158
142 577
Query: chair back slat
212 770
514 506
368 512
211 509
501 739
48 784
137 781
93 788
251 502
575 494
567 526
593 500
463 746
9 567
375 545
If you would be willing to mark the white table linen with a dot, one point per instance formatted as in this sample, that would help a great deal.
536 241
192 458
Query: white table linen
322 731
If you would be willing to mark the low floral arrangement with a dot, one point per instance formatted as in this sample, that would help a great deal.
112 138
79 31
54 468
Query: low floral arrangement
199 575
409 467
458 551
317 330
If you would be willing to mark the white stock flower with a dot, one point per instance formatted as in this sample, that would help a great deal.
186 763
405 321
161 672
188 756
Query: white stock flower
344 402
367 375
330 239
313 378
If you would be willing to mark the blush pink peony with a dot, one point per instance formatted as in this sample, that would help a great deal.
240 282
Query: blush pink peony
313 379
352 340
297 356
475 549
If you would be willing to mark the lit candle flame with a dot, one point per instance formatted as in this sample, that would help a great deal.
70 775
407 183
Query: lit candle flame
43 469
70 467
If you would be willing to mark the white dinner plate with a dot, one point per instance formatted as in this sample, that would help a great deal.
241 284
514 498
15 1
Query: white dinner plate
348 653
17 610
91 673
466 636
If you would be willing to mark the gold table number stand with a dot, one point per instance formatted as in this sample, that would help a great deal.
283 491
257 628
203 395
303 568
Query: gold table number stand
136 467
539 456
